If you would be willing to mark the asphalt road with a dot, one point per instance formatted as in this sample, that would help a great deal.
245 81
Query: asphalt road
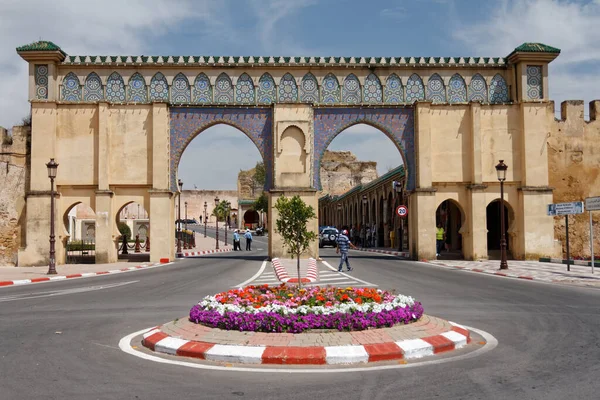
64 345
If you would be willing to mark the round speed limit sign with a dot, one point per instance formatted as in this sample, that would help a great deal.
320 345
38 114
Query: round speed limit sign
402 211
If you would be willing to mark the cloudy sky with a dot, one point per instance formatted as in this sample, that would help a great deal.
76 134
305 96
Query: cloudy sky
293 28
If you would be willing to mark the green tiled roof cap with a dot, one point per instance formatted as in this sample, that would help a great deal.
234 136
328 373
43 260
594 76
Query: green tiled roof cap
42 45
537 48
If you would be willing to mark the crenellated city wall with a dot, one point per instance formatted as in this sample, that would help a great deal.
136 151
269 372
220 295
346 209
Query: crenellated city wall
14 176
574 171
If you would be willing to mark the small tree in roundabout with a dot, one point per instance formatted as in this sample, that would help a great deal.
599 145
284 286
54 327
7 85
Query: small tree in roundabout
294 214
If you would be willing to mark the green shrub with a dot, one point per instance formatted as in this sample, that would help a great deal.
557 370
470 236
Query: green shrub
124 230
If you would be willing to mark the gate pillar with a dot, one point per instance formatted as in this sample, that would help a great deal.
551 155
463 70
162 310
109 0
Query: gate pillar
293 135
475 239
107 234
422 224
162 228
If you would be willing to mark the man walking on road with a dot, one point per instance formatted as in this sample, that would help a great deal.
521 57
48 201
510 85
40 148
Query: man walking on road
248 236
343 245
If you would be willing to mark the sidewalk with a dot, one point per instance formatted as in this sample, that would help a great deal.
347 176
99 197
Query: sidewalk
206 245
10 276
530 270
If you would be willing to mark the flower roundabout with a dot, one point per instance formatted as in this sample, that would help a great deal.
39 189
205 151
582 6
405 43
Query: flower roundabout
287 324
295 310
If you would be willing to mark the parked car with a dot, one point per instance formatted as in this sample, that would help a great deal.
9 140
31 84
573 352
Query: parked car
328 237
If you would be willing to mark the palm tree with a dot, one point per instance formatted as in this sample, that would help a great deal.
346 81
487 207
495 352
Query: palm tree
222 210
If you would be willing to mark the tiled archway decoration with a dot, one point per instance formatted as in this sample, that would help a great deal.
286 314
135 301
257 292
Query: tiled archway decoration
187 123
396 123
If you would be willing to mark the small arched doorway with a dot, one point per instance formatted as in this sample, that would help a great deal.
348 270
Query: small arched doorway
450 216
493 228
251 219
80 239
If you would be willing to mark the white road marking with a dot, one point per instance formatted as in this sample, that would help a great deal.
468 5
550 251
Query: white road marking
125 346
348 276
256 275
62 292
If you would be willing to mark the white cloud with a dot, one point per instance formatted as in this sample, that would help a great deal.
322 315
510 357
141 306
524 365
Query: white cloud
393 13
81 27
568 25
275 19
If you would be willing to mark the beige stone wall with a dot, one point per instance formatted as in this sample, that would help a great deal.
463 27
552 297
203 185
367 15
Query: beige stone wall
341 171
196 199
574 172
13 183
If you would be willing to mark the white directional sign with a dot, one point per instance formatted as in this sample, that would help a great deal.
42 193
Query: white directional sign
575 207
592 203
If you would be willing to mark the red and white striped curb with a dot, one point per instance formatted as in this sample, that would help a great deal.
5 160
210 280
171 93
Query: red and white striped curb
404 254
280 271
313 272
81 275
453 339
201 253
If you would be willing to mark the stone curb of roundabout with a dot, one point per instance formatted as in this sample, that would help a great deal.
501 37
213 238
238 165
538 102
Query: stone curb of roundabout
159 341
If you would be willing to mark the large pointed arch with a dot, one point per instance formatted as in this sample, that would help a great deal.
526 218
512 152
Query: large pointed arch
115 88
187 123
395 123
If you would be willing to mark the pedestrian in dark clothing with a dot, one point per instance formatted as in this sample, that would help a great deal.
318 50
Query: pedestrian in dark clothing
248 236
236 240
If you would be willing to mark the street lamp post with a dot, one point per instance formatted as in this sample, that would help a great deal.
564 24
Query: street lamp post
364 228
217 219
205 218
400 196
501 171
186 244
52 167
180 184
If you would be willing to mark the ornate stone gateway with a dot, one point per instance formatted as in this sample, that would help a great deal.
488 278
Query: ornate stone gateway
118 125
